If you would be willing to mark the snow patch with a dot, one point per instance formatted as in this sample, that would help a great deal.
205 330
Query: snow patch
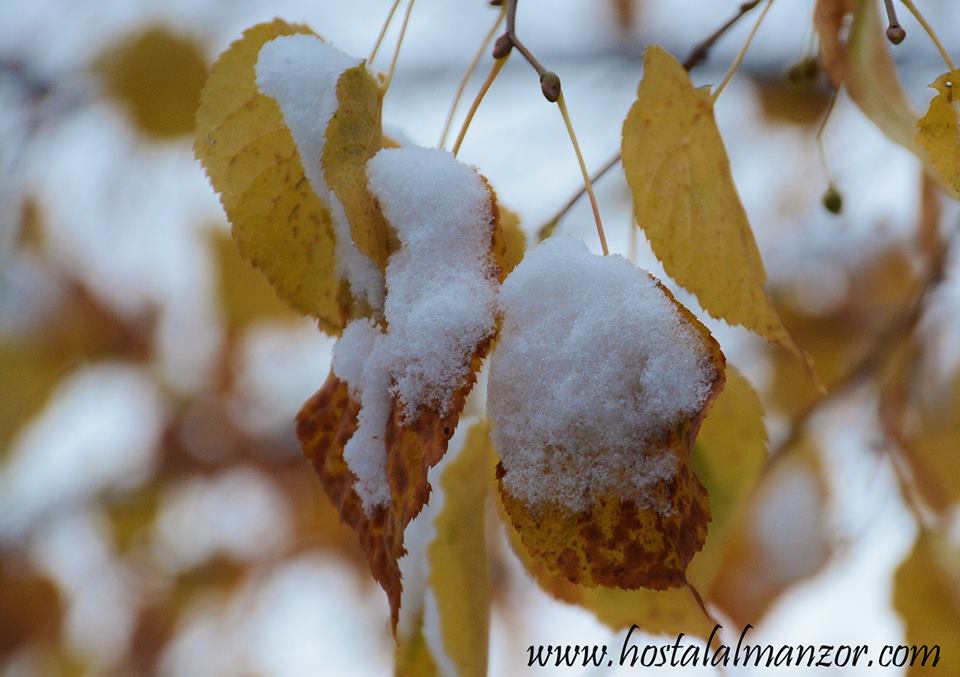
593 364
300 72
440 305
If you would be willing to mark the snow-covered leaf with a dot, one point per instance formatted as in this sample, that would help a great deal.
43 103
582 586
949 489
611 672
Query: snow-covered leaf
597 388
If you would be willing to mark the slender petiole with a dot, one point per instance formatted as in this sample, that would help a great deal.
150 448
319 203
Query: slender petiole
396 51
494 72
588 184
383 32
742 53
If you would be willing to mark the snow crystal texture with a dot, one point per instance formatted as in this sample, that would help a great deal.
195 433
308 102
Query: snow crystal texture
440 304
300 72
593 364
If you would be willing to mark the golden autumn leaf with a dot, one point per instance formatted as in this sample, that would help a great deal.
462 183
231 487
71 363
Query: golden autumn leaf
245 296
728 456
279 223
926 594
157 75
459 575
938 132
686 202
510 241
614 528
457 583
777 540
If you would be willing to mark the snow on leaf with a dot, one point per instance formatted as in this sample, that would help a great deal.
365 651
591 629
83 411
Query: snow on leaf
729 454
331 104
597 389
685 200
398 393
938 132
926 594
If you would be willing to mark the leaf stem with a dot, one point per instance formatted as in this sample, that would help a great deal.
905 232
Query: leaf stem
396 51
383 32
494 72
820 131
933 35
467 75
742 53
588 184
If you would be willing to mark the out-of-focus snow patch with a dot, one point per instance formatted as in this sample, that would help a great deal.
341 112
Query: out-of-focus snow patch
237 513
100 430
279 624
277 367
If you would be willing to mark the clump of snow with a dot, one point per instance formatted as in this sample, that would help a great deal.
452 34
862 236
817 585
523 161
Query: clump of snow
594 364
300 72
440 304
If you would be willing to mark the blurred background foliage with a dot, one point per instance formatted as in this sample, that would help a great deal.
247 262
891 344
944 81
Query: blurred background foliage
156 515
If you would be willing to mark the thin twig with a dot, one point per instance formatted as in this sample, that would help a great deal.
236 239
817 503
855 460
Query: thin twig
933 35
467 75
700 52
697 56
516 42
494 72
742 53
383 32
588 184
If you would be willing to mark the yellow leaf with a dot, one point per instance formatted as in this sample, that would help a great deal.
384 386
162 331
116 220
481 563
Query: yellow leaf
938 132
157 75
245 296
279 223
778 539
685 200
509 240
459 576
926 594
412 657
728 457
353 136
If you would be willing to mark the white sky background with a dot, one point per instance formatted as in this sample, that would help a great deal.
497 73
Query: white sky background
310 612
